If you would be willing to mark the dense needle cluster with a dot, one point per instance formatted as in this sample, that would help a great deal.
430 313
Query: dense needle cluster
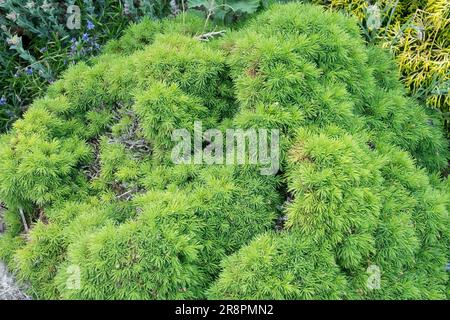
90 167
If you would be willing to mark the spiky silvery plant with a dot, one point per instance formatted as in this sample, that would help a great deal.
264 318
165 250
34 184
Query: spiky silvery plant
89 170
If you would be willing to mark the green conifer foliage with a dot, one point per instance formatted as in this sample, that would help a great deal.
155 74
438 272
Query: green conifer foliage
278 266
110 216
356 194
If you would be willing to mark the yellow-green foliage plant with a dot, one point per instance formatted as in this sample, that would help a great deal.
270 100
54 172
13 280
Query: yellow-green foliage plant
422 49
417 33
107 215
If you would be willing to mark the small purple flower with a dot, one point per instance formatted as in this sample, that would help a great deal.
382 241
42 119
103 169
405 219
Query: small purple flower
42 50
2 101
90 25
73 40
85 37
29 71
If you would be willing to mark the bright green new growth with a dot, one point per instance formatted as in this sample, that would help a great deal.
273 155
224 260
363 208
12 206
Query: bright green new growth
359 204
90 166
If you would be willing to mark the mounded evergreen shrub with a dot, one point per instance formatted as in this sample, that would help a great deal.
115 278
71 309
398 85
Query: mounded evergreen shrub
89 166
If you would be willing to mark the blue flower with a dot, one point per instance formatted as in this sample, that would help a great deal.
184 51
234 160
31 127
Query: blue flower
42 50
2 101
85 37
73 40
29 71
90 25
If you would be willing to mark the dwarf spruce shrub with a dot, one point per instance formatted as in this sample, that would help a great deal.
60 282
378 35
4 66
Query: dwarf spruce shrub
110 216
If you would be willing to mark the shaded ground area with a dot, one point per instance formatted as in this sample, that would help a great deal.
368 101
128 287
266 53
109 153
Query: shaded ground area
8 288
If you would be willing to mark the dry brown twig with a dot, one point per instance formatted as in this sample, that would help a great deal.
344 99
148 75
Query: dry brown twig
210 35
24 221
